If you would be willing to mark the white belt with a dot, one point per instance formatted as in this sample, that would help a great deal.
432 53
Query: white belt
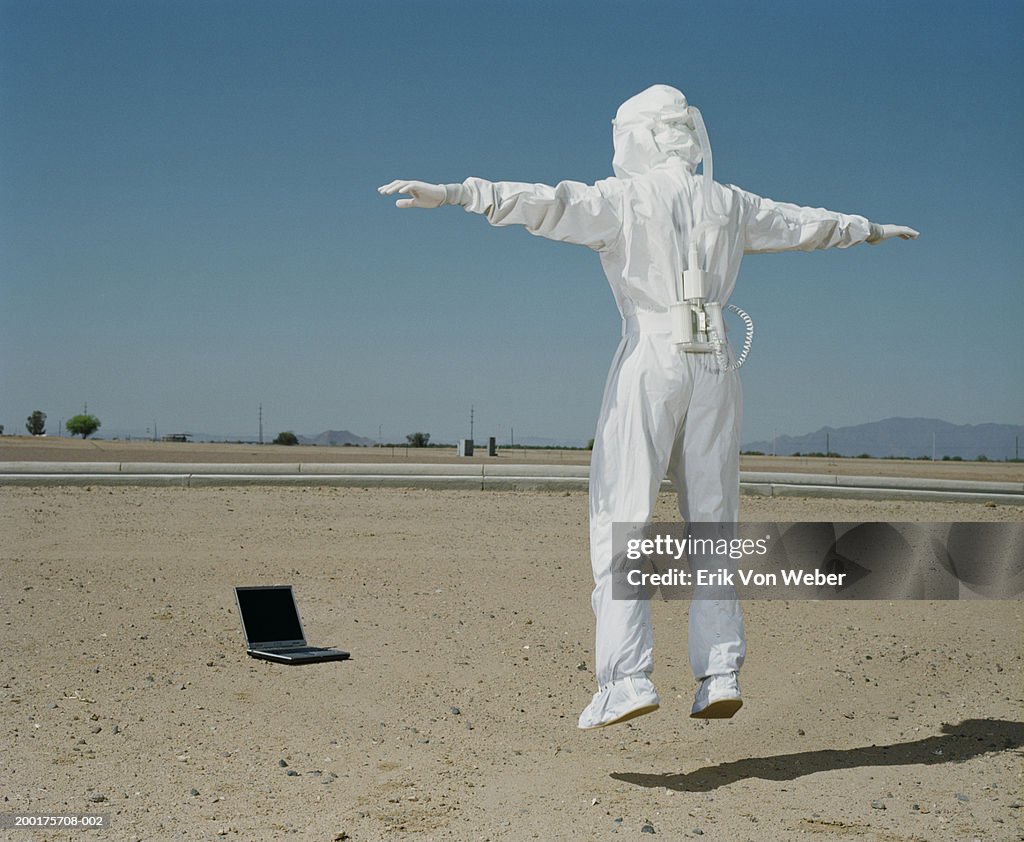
647 321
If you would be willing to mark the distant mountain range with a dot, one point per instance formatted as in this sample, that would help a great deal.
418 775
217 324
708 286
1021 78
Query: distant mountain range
336 438
903 437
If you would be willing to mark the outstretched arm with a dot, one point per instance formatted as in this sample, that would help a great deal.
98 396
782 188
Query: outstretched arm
779 226
571 212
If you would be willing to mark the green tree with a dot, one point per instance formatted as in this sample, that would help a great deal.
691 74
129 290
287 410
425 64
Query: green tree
83 425
287 437
418 439
36 423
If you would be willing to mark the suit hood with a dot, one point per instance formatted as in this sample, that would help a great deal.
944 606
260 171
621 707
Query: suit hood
653 127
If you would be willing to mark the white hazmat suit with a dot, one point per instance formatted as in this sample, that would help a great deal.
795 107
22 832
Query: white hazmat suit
663 411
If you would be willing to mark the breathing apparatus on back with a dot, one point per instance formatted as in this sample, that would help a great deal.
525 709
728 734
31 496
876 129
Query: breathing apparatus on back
698 325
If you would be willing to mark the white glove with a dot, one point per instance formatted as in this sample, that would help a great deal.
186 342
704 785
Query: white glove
424 195
887 232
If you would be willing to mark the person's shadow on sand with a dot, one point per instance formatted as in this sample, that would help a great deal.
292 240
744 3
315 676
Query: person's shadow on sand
970 738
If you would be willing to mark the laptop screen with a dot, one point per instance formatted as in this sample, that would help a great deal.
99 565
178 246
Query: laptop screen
269 614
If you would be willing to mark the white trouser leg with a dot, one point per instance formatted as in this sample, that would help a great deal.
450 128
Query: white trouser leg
705 469
640 413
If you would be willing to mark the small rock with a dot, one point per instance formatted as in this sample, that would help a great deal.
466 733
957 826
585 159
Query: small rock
647 828
98 798
341 836
291 773
282 763
581 666
698 832
800 732
877 805
961 797
193 791
456 711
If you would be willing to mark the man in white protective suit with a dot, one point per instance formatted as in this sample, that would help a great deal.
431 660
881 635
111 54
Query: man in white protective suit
664 411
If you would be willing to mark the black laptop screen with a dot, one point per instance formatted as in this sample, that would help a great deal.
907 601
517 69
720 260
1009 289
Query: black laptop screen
269 614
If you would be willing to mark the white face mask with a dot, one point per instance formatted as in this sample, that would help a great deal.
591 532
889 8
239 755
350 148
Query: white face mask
653 127
678 140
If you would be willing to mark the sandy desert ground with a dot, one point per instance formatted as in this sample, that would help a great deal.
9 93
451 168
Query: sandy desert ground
125 688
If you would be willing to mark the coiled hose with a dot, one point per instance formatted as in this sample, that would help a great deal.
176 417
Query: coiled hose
748 339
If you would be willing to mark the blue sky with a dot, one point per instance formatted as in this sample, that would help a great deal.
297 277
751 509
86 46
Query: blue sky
189 226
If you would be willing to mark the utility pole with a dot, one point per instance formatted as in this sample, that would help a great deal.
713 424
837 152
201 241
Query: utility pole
261 423
471 422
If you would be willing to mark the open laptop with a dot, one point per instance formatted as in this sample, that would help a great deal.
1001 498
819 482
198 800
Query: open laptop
273 630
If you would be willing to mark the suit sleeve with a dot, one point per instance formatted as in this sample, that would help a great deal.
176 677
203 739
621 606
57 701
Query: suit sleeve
772 226
570 211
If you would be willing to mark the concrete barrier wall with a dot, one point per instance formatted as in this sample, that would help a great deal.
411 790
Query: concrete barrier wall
480 476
